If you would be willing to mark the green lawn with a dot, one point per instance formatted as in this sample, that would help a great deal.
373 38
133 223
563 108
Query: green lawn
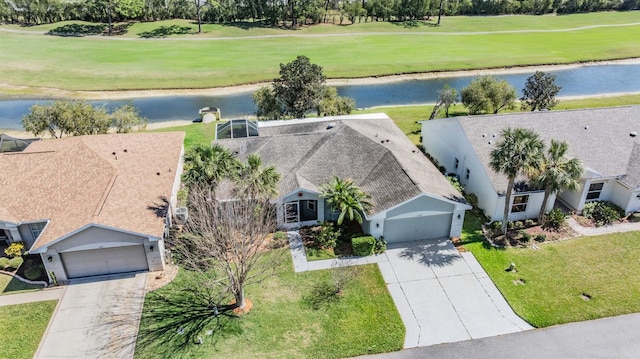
104 64
555 276
22 328
449 24
282 324
10 285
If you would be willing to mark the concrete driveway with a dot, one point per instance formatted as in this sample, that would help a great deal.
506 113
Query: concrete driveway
96 318
445 296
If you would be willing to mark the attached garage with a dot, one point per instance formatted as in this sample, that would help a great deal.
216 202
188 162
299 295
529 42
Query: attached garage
421 227
104 261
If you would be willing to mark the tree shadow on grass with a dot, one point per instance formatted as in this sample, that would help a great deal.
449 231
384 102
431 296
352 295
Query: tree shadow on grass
81 30
172 323
175 323
164 31
78 30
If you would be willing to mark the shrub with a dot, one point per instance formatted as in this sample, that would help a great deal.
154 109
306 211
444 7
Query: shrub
540 237
455 183
363 246
4 263
34 272
529 223
602 212
14 250
496 225
472 199
380 246
511 225
555 220
14 263
526 237
280 239
518 224
327 236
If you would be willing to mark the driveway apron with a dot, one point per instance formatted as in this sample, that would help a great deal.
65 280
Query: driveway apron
445 296
96 318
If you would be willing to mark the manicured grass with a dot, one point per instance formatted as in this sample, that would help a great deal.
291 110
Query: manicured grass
10 285
195 133
555 276
22 328
43 60
449 24
283 325
317 254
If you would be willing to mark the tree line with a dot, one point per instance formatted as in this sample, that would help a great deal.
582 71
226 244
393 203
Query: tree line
291 13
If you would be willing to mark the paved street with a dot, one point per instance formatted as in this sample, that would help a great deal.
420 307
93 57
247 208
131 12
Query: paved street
617 337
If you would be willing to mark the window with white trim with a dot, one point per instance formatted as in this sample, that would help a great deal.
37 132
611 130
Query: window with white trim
594 190
520 203
36 229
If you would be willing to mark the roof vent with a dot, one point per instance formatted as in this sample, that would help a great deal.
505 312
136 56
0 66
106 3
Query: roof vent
489 142
331 125
633 133
494 135
484 135
586 127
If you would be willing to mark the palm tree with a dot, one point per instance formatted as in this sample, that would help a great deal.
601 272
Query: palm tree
518 152
209 164
347 197
557 173
257 181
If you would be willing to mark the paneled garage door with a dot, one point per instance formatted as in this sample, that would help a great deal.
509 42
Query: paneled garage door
411 229
105 261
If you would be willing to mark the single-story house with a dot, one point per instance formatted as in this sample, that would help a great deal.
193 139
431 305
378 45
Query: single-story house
411 199
92 205
605 140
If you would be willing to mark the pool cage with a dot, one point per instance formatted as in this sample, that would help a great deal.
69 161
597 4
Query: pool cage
236 129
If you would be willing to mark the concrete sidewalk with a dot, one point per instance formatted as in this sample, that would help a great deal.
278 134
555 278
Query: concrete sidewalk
594 231
30 297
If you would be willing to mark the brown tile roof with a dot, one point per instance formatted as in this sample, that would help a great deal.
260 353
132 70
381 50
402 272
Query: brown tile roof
370 149
111 180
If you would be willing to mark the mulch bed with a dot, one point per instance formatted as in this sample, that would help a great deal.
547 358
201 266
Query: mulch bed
514 237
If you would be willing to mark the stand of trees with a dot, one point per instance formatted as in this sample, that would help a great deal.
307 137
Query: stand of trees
289 13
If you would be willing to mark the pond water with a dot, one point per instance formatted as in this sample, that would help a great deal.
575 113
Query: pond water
578 81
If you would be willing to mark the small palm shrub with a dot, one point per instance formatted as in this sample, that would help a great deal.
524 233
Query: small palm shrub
496 225
602 212
327 236
529 223
380 246
555 220
14 250
540 237
526 237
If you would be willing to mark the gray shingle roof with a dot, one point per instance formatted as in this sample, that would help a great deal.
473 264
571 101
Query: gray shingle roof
599 137
370 149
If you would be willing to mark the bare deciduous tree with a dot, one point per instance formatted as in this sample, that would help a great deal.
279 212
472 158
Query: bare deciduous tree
226 241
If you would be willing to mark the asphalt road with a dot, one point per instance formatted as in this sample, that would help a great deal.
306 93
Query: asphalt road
617 337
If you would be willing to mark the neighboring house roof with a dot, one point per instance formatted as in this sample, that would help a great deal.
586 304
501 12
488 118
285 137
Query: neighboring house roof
120 181
600 138
370 149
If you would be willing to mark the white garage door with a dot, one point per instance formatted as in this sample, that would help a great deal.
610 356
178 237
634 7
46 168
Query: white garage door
411 229
105 261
